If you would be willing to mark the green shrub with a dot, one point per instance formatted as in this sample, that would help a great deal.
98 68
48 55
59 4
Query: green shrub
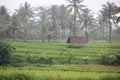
49 60
117 60
3 77
110 77
42 60
19 76
5 52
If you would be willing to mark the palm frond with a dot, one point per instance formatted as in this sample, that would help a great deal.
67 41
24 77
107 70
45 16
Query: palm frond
118 20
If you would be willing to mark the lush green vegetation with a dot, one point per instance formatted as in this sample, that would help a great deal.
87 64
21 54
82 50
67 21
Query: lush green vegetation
37 54
15 74
5 52
59 53
58 61
50 59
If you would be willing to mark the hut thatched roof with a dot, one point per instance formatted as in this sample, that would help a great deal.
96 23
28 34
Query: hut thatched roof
75 39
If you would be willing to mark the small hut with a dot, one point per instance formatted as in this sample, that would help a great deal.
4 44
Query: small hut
76 40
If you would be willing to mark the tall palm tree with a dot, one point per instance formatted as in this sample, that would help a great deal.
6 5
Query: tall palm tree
109 9
63 19
42 25
24 14
4 20
87 19
102 22
53 16
75 6
14 24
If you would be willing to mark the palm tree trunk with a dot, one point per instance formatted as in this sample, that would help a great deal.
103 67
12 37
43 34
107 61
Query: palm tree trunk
86 32
13 34
25 31
74 33
103 32
110 31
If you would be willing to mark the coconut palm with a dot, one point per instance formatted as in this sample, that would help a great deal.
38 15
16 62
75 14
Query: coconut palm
109 9
24 14
116 12
75 6
42 14
117 20
53 13
63 19
4 18
87 20
102 22
14 24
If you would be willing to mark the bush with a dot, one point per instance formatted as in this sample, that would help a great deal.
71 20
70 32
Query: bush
117 60
49 60
21 77
110 77
3 77
5 51
42 60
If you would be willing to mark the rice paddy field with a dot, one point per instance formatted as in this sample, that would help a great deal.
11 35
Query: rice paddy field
15 74
33 60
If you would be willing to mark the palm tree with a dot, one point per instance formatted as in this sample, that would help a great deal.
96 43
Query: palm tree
41 23
71 19
117 10
62 19
102 22
109 9
87 20
76 6
14 24
24 14
4 20
52 21
53 12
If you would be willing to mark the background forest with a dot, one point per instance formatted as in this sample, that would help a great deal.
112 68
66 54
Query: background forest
58 22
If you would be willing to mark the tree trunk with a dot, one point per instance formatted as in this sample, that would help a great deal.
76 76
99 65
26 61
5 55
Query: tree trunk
25 34
86 32
110 31
103 33
74 33
110 34
14 34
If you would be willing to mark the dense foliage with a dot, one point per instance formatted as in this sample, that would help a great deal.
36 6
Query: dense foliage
5 53
57 22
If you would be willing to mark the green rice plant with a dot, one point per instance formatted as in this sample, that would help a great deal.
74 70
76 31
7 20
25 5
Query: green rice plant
86 59
109 77
114 46
69 54
27 74
104 56
46 50
21 76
